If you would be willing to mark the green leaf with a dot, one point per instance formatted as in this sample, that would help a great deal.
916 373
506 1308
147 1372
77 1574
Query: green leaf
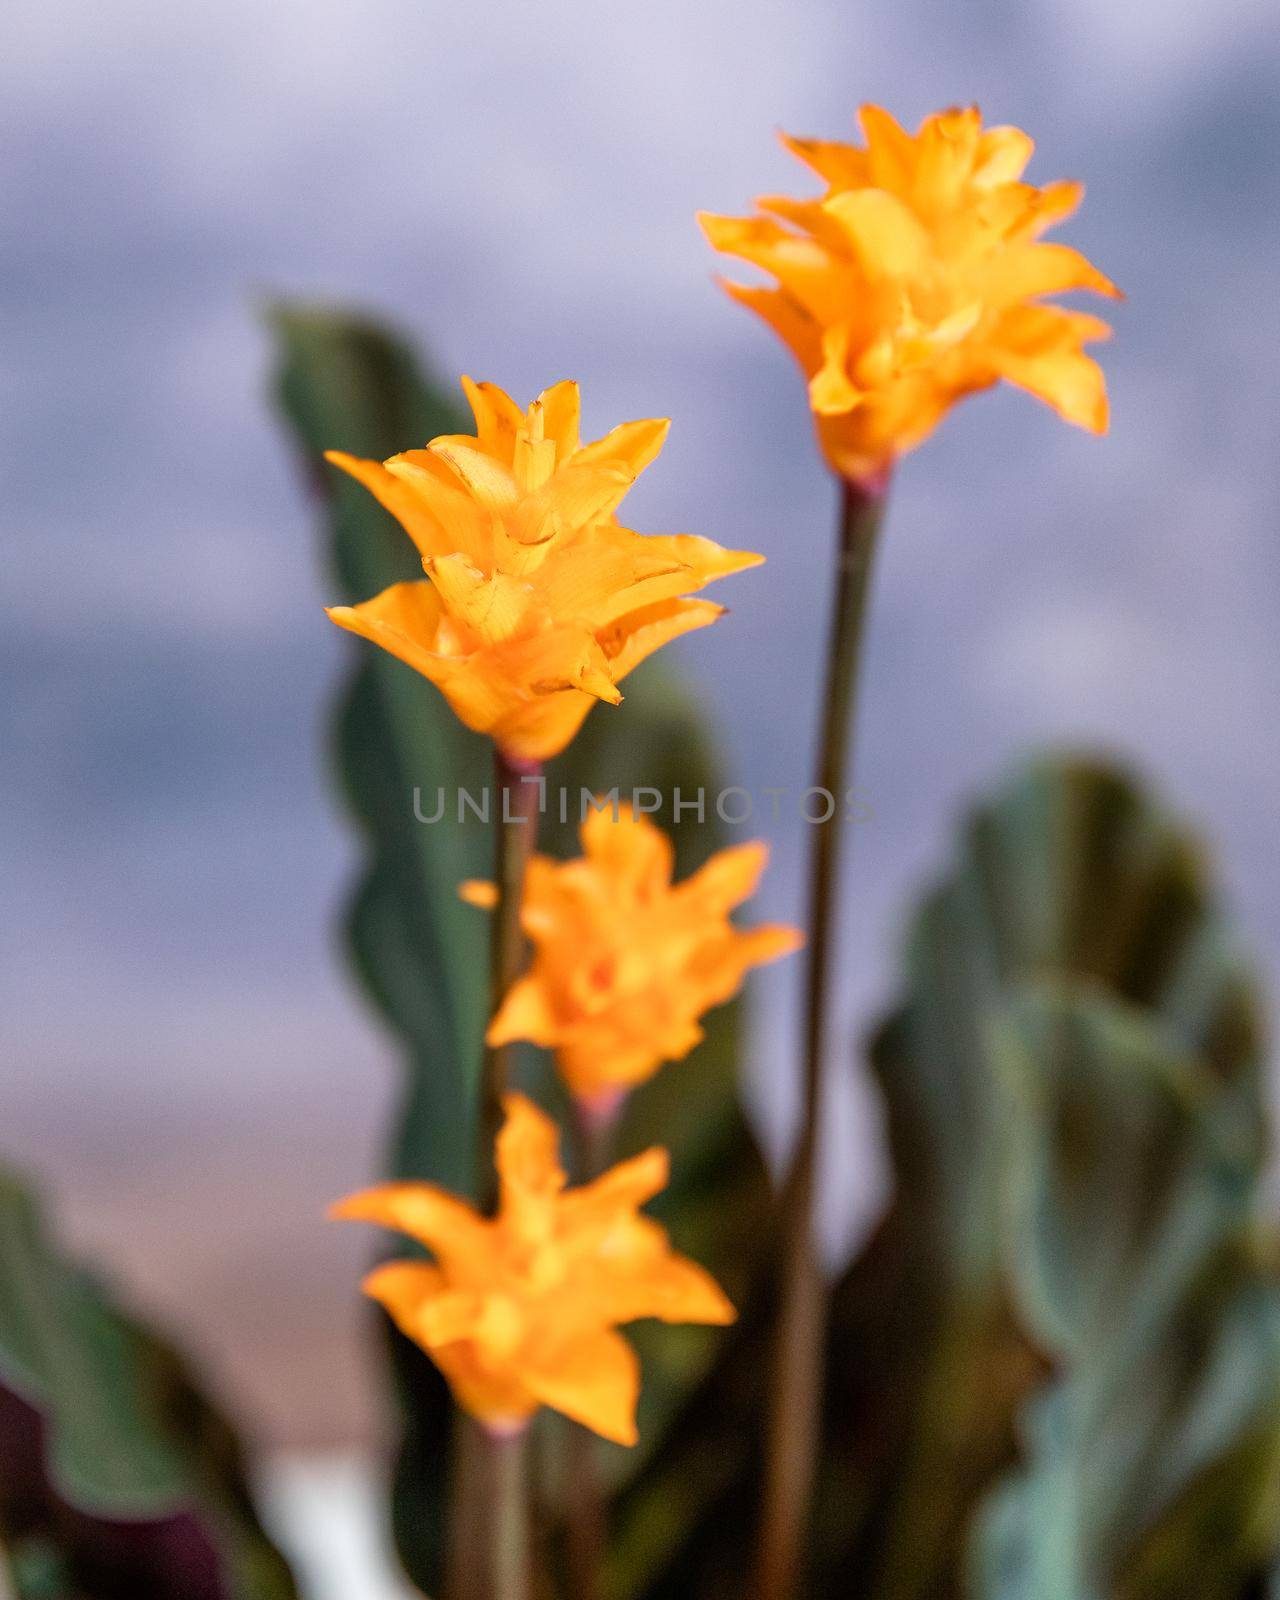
1154 1461
423 956
101 1427
1073 879
344 383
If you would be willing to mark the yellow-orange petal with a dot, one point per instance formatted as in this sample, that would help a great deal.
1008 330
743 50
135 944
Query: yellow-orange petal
1038 348
492 605
840 165
403 619
945 149
618 1192
631 446
702 561
492 1320
635 637
820 281
561 407
404 1289
437 1219
719 971
497 418
1026 271
540 729
634 853
594 582
889 239
527 1153
621 1048
672 1289
526 1012
890 158
594 1379
490 482
727 878
786 315
770 941
417 518
577 496
490 1391
1052 204
831 390
807 216
566 657
477 892
1002 155
465 526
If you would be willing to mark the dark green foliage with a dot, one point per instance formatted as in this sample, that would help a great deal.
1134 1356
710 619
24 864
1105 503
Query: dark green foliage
118 1480
1076 902
1137 1256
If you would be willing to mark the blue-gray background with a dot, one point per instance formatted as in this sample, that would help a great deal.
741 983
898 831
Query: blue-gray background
183 1059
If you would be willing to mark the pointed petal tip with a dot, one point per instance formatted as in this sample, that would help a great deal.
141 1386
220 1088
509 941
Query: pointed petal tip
782 939
560 383
607 693
725 1313
348 1209
657 1159
720 229
517 1104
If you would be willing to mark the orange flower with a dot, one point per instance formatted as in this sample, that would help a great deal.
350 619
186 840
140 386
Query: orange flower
916 279
624 961
537 603
520 1310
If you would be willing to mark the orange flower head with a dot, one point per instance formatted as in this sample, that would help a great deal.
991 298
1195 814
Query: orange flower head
520 1310
918 278
536 601
625 962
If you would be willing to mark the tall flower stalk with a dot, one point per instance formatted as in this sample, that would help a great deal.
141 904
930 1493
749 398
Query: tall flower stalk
917 278
517 786
586 1528
489 1554
796 1380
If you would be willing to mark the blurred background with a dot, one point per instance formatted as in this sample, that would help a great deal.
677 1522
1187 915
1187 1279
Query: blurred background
186 1067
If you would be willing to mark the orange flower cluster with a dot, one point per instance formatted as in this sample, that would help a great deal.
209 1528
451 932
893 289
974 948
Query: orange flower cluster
626 962
520 1310
916 279
537 602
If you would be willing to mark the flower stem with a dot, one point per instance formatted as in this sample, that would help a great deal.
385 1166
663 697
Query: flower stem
489 1540
518 787
796 1380
586 1524
489 1548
